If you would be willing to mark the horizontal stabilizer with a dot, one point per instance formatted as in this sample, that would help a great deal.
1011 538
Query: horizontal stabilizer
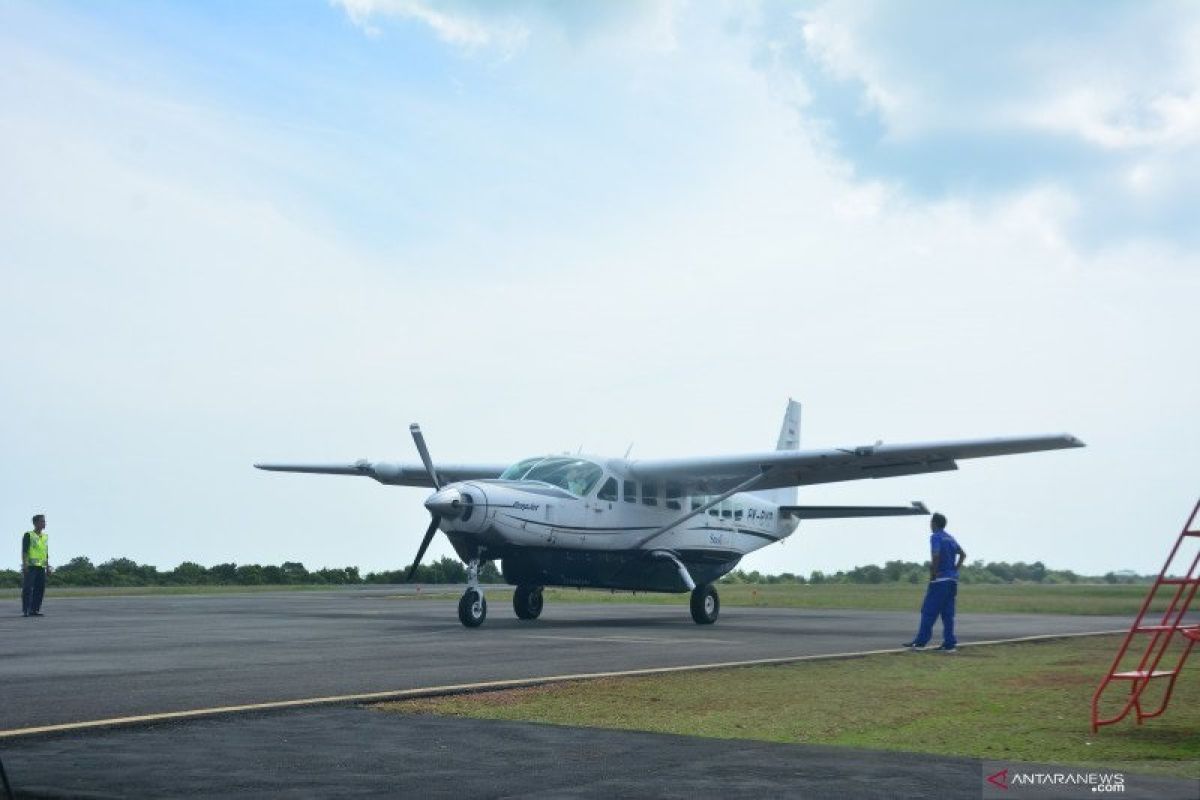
847 512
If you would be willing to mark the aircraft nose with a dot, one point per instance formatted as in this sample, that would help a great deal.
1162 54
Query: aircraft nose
447 503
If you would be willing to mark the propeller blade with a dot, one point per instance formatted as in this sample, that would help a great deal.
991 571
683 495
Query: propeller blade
419 438
433 526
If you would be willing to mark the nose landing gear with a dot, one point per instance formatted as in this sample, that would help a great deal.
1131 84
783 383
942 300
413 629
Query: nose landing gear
472 606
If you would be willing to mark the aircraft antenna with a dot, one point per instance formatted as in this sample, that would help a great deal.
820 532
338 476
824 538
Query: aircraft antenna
628 450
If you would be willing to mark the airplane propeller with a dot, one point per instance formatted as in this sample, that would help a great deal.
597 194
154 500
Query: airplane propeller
443 503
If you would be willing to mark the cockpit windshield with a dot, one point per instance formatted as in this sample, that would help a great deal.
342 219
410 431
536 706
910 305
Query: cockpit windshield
518 470
576 475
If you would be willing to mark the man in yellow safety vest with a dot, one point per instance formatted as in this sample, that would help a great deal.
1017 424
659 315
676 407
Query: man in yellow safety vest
35 560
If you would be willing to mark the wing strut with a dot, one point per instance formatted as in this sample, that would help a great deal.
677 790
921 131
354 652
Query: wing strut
744 486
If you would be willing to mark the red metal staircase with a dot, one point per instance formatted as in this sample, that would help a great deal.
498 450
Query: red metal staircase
1167 639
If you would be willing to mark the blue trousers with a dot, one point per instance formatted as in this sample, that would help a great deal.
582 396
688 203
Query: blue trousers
33 587
939 602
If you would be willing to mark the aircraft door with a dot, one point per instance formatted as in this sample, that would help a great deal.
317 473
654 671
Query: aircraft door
606 496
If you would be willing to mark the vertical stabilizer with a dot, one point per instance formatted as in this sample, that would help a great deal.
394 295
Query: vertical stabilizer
789 439
789 433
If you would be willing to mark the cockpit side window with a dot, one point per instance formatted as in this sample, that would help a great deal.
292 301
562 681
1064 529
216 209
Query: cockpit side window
608 491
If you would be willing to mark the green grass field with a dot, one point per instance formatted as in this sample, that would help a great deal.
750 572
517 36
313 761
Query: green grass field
1025 598
1031 598
1018 702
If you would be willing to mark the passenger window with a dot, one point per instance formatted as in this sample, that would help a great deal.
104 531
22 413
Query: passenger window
649 494
737 512
630 492
608 491
674 496
726 510
697 502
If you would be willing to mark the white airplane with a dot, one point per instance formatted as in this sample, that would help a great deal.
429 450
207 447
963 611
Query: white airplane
673 525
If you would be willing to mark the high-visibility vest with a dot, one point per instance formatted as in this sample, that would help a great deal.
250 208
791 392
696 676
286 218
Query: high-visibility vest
39 549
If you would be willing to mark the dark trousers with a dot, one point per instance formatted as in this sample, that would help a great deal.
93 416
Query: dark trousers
939 602
33 587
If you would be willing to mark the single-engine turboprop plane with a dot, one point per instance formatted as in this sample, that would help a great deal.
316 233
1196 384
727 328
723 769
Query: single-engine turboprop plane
672 525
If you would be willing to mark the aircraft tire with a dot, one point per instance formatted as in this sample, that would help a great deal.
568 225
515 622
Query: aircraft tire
472 609
527 601
706 605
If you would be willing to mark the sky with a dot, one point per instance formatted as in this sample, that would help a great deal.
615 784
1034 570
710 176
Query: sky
234 232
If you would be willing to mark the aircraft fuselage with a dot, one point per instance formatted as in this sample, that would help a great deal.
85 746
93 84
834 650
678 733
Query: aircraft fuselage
546 535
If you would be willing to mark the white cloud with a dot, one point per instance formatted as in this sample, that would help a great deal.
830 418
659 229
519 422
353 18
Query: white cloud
460 29
649 26
1119 120
830 34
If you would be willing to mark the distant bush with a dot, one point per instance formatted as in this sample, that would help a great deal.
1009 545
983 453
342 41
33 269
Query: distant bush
80 571
912 572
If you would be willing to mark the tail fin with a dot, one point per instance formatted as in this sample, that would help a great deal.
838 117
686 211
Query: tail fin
789 439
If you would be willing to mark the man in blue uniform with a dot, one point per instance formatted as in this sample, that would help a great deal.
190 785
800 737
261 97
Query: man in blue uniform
947 557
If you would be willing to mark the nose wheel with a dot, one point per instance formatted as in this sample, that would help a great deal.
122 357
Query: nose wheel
472 606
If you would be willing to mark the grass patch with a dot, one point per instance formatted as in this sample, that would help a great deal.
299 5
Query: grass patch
1024 598
1027 598
1019 702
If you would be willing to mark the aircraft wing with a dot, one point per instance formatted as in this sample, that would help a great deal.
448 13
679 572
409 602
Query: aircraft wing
806 467
395 474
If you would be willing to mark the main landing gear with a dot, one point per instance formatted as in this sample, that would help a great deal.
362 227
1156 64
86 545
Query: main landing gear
472 606
527 601
706 605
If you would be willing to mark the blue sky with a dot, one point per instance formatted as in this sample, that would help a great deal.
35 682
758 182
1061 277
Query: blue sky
233 232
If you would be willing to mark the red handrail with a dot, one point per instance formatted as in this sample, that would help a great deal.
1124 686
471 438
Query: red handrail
1161 636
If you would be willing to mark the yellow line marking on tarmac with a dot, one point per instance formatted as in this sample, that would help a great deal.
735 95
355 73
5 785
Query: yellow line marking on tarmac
484 686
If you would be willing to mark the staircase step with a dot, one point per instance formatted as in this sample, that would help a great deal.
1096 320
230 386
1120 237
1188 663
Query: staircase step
1139 674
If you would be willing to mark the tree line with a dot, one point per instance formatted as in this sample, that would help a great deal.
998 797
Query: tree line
80 571
912 572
